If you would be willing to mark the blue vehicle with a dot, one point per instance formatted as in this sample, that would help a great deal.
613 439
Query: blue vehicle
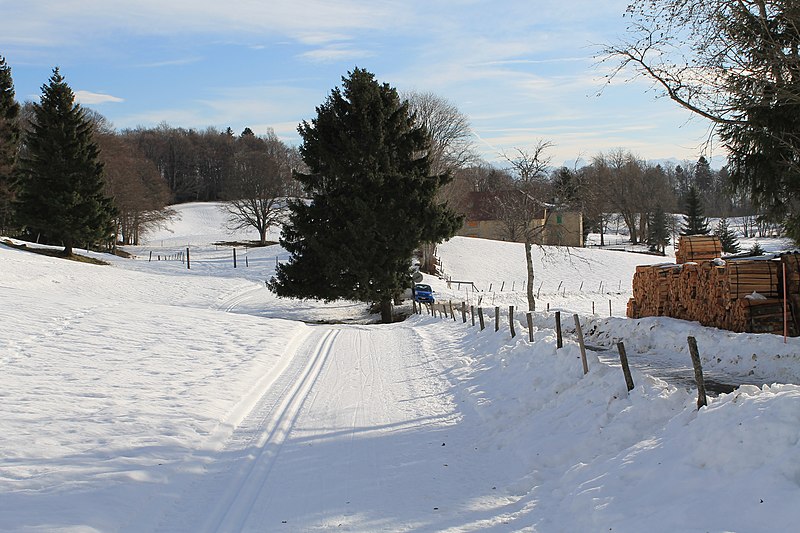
423 293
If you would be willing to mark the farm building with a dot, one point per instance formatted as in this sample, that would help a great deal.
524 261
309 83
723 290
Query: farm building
487 217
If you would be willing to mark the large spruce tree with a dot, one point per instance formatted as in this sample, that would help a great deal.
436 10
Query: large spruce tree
60 180
370 199
9 142
695 221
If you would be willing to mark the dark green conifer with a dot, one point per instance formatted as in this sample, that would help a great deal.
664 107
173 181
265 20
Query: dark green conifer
370 199
695 221
9 143
60 179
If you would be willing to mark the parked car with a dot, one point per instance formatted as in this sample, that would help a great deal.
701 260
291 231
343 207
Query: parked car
423 293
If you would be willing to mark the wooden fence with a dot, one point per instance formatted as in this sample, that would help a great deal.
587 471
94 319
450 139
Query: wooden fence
475 317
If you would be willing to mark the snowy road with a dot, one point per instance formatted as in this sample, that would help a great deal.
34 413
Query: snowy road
352 434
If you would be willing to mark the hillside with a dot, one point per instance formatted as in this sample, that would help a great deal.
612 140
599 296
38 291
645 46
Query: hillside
147 396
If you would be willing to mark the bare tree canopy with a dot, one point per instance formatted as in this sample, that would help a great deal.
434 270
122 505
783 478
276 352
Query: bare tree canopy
737 64
452 141
259 183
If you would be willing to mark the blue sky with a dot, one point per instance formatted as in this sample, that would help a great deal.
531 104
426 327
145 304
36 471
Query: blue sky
520 70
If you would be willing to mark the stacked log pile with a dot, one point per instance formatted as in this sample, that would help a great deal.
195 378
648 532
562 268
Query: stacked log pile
742 295
697 248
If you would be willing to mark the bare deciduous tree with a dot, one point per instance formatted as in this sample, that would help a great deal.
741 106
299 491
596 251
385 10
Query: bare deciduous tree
519 207
259 183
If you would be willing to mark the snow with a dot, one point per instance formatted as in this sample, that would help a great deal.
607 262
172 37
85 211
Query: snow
145 396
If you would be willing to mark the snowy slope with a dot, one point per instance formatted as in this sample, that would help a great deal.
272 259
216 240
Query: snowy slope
145 396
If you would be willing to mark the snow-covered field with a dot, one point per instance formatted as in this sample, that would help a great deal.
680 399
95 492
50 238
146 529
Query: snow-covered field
145 396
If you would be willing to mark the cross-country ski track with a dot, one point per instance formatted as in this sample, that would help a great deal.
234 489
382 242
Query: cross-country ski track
351 418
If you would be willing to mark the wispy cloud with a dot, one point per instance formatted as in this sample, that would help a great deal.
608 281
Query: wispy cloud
89 98
172 62
335 53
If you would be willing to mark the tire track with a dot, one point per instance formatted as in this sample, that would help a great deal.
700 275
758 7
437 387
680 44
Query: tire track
264 432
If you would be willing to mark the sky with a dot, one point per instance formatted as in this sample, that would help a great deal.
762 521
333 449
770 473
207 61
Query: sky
521 70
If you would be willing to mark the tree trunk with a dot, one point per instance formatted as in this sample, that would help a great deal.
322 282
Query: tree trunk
262 233
428 257
529 265
386 311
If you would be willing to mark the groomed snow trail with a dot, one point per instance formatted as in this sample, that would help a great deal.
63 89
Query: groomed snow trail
357 433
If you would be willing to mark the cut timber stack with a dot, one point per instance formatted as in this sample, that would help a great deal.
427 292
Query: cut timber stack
697 248
743 295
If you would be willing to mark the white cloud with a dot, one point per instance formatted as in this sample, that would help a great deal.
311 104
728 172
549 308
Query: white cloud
88 98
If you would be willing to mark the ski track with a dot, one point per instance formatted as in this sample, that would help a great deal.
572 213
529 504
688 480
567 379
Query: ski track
235 468
271 424
353 414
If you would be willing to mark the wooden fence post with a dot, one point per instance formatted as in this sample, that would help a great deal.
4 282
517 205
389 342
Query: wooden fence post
609 307
579 331
480 316
472 314
530 326
234 258
511 321
626 370
452 313
497 318
464 312
151 256
188 265
698 373
559 338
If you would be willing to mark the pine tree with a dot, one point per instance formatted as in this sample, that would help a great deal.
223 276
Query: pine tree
658 238
727 237
9 142
370 199
60 180
694 222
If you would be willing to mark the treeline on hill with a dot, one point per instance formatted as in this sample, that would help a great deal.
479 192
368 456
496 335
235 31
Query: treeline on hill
138 172
620 184
148 169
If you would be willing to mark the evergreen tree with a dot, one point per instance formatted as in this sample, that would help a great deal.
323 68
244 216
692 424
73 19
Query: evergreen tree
60 180
703 176
659 237
727 237
694 222
9 142
370 199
